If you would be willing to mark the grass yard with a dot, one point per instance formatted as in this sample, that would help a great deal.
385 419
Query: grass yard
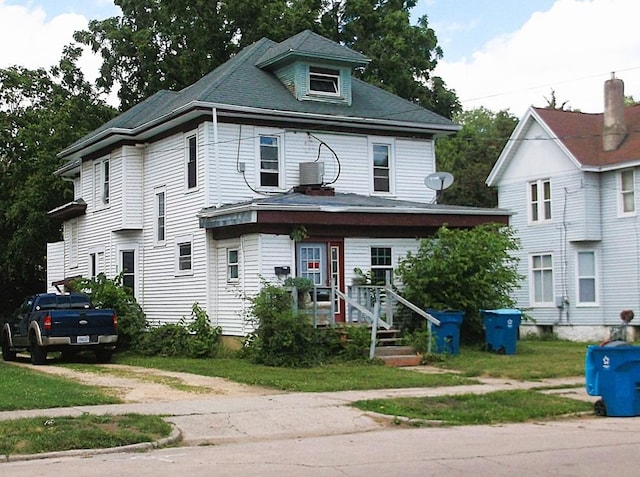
534 359
474 409
42 434
26 388
334 377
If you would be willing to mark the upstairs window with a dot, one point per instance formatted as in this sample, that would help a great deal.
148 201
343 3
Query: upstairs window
160 206
540 201
184 257
324 81
269 161
101 179
627 204
381 168
192 164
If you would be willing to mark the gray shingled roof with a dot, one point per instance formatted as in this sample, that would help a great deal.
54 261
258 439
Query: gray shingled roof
240 83
311 45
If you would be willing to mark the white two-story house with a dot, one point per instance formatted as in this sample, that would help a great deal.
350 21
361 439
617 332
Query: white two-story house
570 179
277 163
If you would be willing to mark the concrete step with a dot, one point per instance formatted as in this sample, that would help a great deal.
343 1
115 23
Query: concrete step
394 351
399 361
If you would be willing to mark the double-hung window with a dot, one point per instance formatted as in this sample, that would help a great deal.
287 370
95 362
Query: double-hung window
233 271
382 168
587 284
324 81
192 162
542 279
101 183
540 201
184 252
160 215
627 202
381 265
269 161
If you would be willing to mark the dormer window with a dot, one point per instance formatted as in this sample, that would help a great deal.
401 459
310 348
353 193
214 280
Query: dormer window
324 81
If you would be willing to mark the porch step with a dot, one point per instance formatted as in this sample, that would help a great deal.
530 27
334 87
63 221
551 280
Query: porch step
398 356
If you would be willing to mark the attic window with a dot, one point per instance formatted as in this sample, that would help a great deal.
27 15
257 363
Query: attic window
324 81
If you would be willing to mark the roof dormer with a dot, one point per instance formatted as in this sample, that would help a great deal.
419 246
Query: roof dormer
313 68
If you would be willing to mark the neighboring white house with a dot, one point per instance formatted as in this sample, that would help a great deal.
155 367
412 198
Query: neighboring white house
277 163
571 178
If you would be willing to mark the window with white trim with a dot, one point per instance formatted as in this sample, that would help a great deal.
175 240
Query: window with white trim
160 215
324 81
233 269
269 161
540 201
586 277
96 263
73 243
192 162
627 201
184 251
101 184
381 265
542 279
381 167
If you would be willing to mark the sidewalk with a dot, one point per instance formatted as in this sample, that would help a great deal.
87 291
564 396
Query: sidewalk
288 415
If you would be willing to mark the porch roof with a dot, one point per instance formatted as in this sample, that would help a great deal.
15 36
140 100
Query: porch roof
346 211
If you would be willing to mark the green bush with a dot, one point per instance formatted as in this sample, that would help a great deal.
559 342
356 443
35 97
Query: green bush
465 270
356 343
107 293
196 338
283 337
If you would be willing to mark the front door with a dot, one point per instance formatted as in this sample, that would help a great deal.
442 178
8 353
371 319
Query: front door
322 263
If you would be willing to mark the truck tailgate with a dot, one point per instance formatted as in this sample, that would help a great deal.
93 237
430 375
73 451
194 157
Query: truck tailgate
89 322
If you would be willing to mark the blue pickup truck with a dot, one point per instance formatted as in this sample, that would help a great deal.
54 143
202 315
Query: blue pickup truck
59 322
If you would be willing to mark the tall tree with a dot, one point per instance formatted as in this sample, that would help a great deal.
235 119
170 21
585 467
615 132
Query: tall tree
41 112
170 44
471 154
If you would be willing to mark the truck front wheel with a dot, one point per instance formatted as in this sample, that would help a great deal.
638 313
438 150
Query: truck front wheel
7 353
38 353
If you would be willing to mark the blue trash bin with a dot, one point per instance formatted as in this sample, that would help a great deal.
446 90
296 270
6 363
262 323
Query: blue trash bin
447 335
613 373
501 329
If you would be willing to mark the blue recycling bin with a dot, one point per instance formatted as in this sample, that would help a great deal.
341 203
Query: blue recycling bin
613 373
447 335
501 329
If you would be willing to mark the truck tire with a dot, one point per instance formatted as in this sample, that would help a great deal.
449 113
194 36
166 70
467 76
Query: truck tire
103 355
7 353
38 353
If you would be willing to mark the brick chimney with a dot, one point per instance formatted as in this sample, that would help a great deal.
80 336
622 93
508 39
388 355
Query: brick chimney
614 130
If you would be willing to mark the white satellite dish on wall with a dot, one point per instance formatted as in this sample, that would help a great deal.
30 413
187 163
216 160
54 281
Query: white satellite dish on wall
438 181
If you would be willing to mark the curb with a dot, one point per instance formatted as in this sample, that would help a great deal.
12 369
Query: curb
174 437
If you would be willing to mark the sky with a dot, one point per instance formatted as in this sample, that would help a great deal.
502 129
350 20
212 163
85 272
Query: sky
499 54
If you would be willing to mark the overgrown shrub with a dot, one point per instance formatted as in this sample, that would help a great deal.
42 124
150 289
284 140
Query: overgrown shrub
356 343
107 293
283 337
195 338
465 270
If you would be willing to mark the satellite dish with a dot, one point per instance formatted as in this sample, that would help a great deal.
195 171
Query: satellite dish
438 181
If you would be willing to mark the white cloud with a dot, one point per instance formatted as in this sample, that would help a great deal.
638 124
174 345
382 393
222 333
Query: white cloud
572 49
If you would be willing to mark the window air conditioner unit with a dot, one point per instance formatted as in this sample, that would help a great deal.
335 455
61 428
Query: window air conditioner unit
311 173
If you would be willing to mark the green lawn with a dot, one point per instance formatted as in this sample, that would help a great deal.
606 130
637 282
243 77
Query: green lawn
26 388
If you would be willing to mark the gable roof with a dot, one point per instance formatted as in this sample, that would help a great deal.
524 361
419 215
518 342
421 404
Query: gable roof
240 87
580 136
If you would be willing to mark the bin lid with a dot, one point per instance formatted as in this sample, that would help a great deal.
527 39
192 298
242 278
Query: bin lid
503 311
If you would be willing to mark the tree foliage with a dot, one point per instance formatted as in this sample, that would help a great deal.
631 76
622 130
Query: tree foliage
170 44
471 154
41 113
465 270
